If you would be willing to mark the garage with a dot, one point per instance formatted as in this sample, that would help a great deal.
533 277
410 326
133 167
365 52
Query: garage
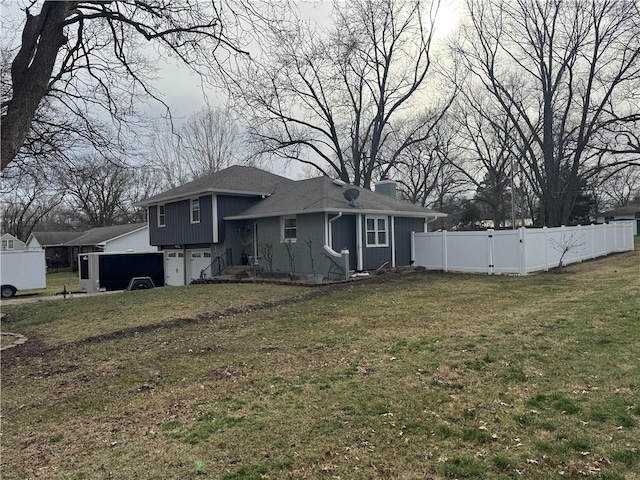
174 267
199 262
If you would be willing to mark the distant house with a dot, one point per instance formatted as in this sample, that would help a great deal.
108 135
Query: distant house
11 243
62 248
132 237
630 212
247 215
57 253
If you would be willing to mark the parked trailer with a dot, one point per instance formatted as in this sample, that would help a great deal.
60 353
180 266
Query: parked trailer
120 271
23 270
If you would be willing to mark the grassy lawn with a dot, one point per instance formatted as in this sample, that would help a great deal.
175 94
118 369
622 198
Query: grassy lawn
56 281
430 376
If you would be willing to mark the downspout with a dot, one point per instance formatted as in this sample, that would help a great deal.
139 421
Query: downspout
427 222
359 242
328 244
393 241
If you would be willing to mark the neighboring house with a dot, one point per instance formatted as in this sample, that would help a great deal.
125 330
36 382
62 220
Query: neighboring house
630 212
62 248
11 243
132 237
247 215
57 253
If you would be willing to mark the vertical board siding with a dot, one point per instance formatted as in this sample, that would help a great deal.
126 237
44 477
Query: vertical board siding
520 251
403 228
309 226
343 235
229 205
178 229
374 257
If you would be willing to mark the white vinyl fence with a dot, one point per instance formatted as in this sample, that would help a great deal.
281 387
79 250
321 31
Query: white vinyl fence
520 251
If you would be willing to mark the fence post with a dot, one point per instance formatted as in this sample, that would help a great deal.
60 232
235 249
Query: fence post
445 260
578 237
546 248
522 252
413 248
490 245
593 241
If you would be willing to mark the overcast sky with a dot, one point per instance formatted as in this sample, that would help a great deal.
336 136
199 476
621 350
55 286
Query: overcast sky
182 90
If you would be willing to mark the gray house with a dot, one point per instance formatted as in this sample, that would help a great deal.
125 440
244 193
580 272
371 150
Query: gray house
243 215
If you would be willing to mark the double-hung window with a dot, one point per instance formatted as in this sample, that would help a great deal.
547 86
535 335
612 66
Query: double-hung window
377 231
288 229
7 244
195 210
161 217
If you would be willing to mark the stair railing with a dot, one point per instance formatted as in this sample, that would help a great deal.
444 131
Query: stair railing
218 264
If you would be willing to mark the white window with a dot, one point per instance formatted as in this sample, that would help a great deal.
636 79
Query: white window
289 229
7 244
161 217
195 210
377 232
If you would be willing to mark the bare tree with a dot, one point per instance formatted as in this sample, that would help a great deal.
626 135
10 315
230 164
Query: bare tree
27 199
561 72
209 141
487 154
424 170
621 188
82 56
329 97
97 190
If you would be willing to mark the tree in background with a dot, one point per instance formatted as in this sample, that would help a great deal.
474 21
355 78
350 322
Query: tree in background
620 189
331 97
562 72
424 169
27 199
209 141
83 58
97 191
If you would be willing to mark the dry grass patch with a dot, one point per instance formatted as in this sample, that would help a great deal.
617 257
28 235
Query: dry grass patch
435 376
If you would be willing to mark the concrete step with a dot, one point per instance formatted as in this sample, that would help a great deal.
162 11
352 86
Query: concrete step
233 270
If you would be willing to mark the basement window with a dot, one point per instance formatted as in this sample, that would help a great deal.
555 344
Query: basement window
377 231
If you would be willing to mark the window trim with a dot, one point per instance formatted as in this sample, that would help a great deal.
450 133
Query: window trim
162 216
376 231
283 220
8 244
192 210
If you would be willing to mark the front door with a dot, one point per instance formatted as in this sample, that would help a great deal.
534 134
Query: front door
174 267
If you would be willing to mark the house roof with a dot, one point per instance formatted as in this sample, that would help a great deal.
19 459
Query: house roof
628 210
236 180
8 236
99 235
52 239
322 194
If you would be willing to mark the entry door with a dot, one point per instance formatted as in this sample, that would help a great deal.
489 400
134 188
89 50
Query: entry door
174 268
199 260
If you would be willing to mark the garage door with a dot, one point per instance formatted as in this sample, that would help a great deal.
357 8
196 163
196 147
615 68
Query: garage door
199 262
174 267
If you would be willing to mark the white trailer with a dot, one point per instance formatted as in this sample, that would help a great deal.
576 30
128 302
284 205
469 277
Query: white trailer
23 270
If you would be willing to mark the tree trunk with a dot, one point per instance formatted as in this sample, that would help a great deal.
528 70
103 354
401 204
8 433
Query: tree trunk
31 70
